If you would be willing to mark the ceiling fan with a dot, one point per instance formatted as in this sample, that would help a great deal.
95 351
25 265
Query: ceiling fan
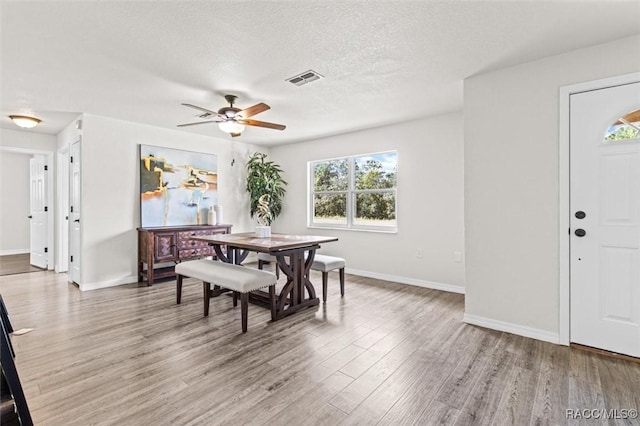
232 120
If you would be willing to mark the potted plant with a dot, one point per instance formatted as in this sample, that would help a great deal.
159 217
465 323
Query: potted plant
266 189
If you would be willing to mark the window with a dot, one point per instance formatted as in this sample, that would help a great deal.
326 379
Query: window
356 192
625 128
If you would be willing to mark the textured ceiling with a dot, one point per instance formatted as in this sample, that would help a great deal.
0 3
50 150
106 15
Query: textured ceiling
383 61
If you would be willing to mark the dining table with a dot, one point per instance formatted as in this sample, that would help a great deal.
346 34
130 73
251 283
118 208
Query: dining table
294 255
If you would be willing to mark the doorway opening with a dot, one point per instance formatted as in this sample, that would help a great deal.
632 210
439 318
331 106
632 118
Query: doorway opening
19 242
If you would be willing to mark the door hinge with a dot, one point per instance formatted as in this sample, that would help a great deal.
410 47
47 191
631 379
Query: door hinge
71 259
71 158
46 249
46 209
71 209
46 167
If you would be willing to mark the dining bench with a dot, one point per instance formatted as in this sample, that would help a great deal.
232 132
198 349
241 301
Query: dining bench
236 278
321 262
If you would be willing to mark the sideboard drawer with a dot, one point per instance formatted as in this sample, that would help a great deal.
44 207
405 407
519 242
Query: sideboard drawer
187 243
196 252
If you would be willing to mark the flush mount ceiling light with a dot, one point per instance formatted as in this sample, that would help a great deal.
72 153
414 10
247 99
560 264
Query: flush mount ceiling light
24 121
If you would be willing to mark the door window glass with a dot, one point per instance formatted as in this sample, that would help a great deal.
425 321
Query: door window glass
624 128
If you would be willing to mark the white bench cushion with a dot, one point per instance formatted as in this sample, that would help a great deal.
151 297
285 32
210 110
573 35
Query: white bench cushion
234 277
324 263
321 262
266 257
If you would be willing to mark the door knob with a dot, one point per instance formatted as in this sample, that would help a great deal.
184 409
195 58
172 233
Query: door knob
580 232
30 217
77 220
580 214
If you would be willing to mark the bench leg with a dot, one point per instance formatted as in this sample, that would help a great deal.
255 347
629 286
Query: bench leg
277 271
325 278
272 301
178 289
244 307
235 299
207 297
341 281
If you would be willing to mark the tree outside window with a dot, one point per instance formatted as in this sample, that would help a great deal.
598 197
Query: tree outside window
356 192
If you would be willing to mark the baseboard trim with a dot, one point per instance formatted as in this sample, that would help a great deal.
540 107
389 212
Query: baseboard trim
520 330
405 280
16 251
109 283
386 277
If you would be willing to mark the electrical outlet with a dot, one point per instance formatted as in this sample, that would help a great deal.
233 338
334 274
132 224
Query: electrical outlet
419 253
457 256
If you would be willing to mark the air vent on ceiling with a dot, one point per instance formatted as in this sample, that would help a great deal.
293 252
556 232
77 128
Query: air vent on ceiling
304 78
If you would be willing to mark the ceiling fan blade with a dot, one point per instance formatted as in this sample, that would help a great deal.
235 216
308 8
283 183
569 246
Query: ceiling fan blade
253 110
197 122
263 124
201 109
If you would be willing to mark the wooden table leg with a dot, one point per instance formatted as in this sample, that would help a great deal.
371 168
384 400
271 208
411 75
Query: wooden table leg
297 273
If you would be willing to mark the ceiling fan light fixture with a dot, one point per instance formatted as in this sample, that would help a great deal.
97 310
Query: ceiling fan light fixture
24 121
231 126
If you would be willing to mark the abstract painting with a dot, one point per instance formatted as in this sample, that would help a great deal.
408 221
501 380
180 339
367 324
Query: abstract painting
176 187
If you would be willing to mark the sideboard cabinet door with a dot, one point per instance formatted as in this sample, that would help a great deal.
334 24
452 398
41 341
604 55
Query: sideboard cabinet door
166 246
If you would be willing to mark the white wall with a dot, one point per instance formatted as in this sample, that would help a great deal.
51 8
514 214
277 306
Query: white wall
68 135
110 197
430 201
27 140
512 185
14 204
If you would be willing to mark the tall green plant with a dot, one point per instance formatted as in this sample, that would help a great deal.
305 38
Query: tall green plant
266 188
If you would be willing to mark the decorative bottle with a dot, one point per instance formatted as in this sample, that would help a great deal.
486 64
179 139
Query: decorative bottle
211 216
218 210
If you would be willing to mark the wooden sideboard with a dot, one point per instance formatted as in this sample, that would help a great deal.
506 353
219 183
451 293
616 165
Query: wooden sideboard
172 244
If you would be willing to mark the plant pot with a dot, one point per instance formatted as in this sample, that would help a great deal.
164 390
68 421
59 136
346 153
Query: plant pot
263 231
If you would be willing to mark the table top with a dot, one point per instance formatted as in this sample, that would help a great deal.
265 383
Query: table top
276 242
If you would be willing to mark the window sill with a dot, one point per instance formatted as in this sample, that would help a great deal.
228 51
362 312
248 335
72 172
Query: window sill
338 228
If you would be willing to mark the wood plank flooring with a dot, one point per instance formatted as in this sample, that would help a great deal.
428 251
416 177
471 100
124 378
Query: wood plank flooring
16 264
385 354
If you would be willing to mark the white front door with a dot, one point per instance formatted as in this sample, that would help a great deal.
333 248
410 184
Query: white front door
605 218
38 211
74 213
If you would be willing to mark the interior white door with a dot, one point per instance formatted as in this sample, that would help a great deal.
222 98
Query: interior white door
38 211
605 221
75 193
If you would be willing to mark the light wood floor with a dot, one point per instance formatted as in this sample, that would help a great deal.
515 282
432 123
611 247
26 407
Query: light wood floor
16 264
386 354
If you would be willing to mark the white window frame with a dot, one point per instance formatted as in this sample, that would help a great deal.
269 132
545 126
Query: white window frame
351 194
